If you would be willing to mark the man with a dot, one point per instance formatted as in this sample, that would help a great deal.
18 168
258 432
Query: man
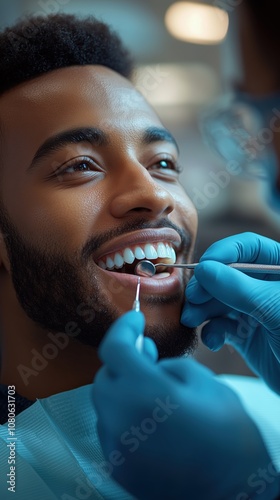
62 279
89 182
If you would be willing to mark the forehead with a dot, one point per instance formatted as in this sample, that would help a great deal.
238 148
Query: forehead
69 98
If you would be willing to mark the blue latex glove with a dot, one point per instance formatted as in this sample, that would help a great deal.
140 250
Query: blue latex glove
244 311
169 429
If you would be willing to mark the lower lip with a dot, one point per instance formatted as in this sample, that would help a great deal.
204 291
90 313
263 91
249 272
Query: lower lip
169 285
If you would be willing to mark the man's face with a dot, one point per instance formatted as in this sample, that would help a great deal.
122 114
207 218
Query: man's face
88 181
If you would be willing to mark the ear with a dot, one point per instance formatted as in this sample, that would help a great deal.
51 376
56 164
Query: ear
4 259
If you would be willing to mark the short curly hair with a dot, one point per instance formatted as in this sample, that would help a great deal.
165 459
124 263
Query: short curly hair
39 44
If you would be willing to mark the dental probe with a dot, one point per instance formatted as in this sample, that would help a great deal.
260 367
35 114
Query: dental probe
136 303
136 307
147 269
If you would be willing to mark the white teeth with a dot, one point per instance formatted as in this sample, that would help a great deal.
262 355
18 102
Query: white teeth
139 254
128 256
168 251
150 251
109 263
161 250
173 255
118 260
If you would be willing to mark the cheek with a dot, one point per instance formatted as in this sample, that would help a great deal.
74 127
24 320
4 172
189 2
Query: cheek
185 210
57 217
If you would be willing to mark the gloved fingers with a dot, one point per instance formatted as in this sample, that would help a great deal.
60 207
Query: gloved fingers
269 370
244 335
177 367
110 392
274 342
244 247
150 349
264 305
184 369
119 344
252 343
194 315
105 438
102 388
220 331
213 334
248 295
195 293
101 378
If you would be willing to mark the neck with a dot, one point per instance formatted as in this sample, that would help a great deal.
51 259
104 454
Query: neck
38 370
39 363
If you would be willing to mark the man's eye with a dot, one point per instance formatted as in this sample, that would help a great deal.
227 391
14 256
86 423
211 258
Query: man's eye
166 164
79 165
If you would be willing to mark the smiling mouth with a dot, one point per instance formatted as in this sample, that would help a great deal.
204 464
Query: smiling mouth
125 261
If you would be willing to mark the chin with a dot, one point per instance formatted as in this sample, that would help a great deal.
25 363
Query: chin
172 338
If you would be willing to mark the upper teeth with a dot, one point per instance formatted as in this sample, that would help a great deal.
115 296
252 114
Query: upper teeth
145 251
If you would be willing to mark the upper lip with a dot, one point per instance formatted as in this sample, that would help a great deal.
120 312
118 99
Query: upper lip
166 235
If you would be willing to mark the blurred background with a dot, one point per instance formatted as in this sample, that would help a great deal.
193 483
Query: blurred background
179 70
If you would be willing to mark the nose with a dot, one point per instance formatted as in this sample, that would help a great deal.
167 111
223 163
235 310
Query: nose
137 191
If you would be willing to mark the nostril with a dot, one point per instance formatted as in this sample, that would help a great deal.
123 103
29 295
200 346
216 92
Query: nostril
141 196
140 209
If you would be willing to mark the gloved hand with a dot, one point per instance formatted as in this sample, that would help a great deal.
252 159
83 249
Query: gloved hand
244 310
169 429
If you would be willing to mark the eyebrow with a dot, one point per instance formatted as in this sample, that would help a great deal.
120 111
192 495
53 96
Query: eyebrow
95 137
156 134
57 142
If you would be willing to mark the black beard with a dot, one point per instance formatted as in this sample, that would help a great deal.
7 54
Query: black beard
64 296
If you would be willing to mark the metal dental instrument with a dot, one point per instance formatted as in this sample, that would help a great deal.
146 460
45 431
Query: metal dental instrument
136 303
147 269
136 307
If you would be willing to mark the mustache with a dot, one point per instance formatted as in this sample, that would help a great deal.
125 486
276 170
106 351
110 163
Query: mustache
93 244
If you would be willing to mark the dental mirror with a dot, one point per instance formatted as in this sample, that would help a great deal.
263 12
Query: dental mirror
147 269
